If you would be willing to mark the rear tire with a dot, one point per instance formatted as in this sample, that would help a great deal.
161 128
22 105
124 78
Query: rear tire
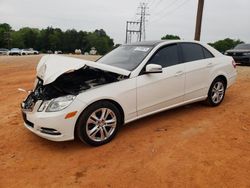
99 123
216 92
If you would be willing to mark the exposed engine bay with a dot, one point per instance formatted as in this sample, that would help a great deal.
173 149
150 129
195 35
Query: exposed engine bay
70 83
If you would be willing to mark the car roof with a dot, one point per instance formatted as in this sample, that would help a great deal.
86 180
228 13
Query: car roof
157 42
243 45
146 43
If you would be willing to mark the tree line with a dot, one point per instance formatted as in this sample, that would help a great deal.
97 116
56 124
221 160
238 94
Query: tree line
67 41
55 39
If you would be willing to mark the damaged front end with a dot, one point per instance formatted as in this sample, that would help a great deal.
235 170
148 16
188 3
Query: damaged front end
67 86
59 82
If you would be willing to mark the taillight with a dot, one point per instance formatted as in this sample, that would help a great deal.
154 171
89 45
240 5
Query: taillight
234 64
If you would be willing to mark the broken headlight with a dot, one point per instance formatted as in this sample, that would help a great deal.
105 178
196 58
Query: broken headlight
43 106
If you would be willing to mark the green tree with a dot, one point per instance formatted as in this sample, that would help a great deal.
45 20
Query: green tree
170 37
56 39
70 40
17 40
102 42
5 35
29 36
82 42
226 44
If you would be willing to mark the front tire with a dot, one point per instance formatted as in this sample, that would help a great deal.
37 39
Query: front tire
216 92
99 123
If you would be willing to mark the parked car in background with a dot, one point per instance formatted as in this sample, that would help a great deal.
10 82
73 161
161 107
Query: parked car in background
58 52
241 54
91 100
93 51
4 51
78 51
29 51
15 51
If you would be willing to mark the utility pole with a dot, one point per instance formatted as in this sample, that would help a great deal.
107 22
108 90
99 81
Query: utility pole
199 20
142 14
143 7
130 32
141 31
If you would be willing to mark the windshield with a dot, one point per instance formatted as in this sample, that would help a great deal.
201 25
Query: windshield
243 46
126 57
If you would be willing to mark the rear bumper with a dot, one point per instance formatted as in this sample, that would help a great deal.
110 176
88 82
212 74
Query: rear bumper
3 53
231 79
14 53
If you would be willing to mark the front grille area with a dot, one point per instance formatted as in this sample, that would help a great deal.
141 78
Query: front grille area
27 122
29 103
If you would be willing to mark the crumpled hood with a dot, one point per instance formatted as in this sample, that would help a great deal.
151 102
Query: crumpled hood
51 67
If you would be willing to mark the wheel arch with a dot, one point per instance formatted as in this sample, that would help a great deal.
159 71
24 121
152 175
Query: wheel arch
119 107
209 100
224 78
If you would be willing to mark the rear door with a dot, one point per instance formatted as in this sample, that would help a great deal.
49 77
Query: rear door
157 91
198 63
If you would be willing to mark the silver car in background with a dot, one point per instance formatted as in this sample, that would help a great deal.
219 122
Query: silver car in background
4 51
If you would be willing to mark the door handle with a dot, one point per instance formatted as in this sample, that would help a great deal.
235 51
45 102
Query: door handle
209 64
179 73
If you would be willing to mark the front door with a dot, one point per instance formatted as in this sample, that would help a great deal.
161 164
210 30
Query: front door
156 91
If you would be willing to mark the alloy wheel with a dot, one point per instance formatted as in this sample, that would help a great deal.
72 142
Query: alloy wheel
218 92
101 124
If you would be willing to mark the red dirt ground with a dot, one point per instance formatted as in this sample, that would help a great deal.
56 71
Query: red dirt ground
191 146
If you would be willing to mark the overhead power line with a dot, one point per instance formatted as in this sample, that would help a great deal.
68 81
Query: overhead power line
169 11
155 12
152 3
155 5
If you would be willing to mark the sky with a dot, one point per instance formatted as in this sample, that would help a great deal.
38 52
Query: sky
221 18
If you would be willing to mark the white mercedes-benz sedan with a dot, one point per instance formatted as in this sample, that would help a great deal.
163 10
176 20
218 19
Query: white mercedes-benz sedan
92 100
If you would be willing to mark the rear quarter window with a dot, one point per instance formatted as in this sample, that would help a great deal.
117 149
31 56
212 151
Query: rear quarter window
207 53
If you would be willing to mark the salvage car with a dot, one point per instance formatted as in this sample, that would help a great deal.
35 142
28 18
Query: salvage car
29 51
75 98
14 51
241 54
4 51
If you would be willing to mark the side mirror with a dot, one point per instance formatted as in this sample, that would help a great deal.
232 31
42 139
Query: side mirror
153 68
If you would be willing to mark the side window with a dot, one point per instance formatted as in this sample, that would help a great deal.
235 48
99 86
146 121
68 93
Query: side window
207 54
192 52
166 56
